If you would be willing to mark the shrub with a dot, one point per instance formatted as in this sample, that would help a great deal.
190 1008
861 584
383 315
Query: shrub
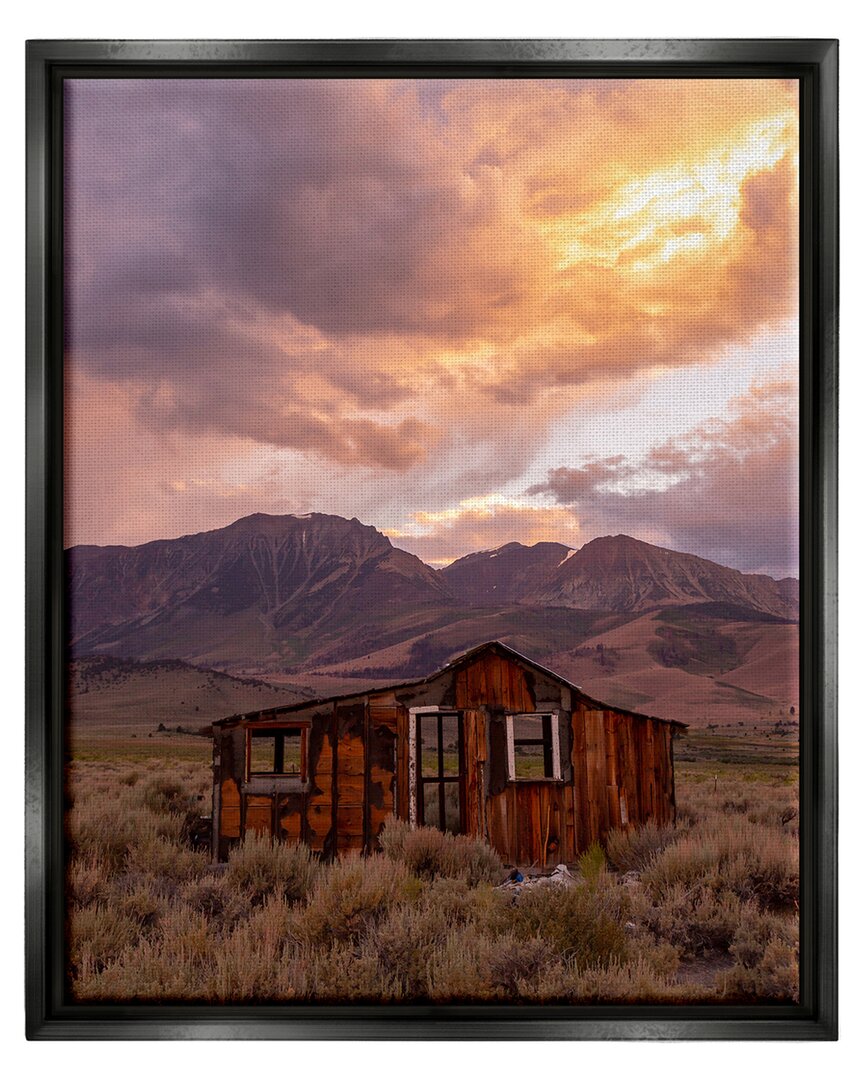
516 966
592 863
172 964
753 861
149 920
161 858
142 902
404 944
350 895
633 849
585 924
86 881
775 976
261 867
332 973
98 934
694 920
632 981
166 796
429 853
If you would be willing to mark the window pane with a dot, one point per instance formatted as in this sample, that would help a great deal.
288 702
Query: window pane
529 762
276 753
450 744
430 728
452 816
428 736
291 753
263 753
431 814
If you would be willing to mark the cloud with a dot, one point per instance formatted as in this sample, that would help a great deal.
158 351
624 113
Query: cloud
727 490
483 523
397 288
246 231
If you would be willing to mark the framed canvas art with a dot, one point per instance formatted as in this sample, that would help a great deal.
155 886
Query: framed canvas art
431 584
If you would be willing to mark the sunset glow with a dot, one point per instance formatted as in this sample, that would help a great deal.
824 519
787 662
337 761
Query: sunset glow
391 299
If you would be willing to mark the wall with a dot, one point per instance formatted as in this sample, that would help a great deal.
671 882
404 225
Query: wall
616 768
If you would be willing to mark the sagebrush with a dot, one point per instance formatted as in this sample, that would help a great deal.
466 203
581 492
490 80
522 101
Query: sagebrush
150 919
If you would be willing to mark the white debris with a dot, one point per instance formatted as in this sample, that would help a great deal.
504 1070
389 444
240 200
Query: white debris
516 882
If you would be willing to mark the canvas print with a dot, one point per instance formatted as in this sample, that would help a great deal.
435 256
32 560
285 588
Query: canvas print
431 527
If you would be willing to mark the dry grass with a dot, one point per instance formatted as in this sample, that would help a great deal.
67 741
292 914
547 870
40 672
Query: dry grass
151 920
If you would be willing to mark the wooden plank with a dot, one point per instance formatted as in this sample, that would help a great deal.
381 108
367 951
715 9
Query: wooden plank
402 763
350 816
495 676
595 758
482 687
567 830
291 823
649 788
580 781
473 777
533 798
497 824
229 819
230 828
511 687
661 756
352 788
259 814
383 700
230 793
319 804
627 757
381 765
462 701
319 820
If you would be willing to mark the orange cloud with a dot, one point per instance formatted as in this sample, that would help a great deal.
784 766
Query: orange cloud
398 287
483 523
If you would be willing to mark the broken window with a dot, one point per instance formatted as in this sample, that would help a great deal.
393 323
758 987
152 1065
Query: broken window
276 751
533 749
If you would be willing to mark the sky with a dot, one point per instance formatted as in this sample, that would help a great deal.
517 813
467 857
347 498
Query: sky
467 312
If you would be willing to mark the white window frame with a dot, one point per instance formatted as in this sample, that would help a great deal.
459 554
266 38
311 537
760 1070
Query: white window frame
557 773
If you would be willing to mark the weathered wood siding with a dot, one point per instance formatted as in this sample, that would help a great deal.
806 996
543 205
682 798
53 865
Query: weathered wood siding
617 768
625 772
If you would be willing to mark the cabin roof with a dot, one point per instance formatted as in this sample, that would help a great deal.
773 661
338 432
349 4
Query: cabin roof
466 657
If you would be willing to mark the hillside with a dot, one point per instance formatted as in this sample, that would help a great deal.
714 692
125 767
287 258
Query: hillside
105 693
265 589
613 573
331 605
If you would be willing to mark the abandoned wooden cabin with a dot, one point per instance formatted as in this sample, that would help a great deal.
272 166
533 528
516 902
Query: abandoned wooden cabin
492 745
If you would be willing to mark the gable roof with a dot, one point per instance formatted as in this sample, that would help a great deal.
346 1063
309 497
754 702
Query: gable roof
457 662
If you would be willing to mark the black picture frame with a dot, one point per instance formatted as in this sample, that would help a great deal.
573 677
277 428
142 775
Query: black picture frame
814 63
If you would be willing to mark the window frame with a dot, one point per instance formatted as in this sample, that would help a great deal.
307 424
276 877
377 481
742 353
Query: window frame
277 730
552 765
417 781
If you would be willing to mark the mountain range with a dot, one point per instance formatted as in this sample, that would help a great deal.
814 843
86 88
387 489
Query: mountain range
326 601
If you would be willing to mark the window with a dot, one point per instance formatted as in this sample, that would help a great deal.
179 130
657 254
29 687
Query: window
533 749
276 751
438 748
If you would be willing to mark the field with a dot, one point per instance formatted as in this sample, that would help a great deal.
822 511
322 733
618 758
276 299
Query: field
702 911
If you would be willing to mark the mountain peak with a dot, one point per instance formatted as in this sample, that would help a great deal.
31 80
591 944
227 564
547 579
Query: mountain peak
256 583
621 573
